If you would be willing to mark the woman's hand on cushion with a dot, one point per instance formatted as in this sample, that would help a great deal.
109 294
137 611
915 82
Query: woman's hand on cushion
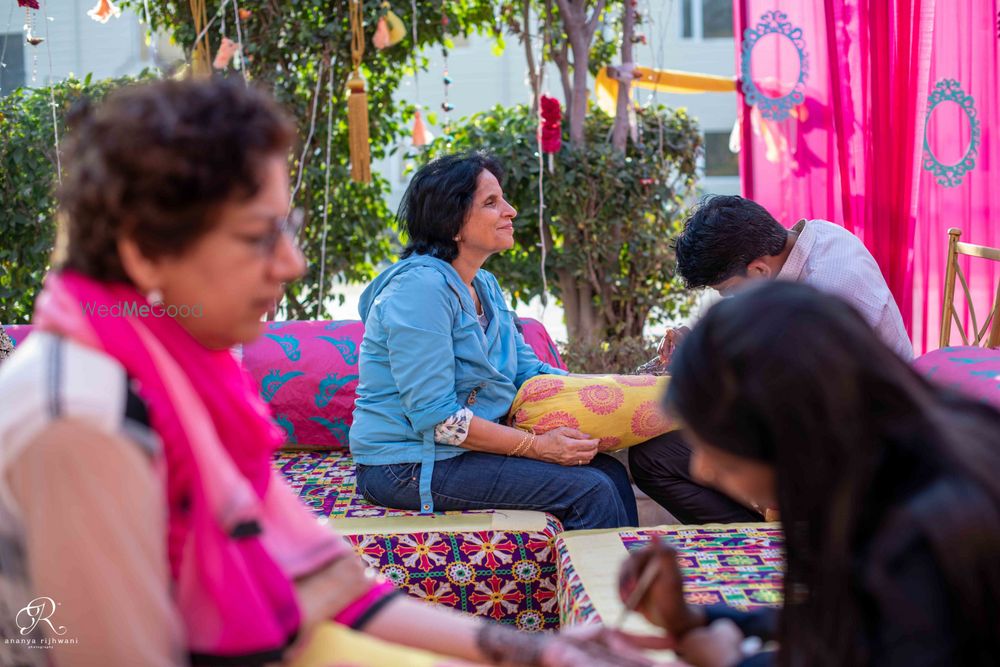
565 446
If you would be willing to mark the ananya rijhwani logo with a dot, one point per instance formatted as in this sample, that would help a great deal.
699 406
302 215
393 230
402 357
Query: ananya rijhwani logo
37 614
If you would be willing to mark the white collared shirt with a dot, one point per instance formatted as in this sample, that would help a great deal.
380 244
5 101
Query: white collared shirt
833 260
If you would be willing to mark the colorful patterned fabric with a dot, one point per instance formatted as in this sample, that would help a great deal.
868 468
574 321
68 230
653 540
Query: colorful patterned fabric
738 565
495 564
621 410
973 371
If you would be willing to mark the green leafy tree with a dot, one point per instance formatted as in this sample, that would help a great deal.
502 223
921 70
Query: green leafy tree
27 179
302 52
609 218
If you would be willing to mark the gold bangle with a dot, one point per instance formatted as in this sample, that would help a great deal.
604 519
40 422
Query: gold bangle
521 446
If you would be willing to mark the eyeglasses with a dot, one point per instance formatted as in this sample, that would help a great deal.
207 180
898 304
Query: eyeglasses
289 226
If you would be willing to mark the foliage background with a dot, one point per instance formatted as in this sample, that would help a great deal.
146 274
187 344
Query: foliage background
27 179
609 217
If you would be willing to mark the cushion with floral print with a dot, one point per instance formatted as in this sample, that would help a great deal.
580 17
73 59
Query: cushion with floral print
621 410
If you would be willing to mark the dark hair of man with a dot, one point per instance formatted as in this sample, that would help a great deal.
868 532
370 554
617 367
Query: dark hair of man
154 162
722 235
437 202
854 434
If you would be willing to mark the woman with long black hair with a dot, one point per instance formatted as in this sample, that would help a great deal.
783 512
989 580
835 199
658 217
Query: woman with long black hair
888 489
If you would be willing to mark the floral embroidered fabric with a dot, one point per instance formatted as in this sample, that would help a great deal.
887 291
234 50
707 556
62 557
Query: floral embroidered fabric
454 429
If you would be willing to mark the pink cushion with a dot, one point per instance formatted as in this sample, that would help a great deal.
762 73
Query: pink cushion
541 342
974 371
308 373
18 332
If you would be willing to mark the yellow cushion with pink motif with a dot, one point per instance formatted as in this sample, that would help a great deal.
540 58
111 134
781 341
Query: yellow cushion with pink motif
621 410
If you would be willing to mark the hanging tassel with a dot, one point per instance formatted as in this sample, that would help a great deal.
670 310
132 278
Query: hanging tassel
103 11
357 129
381 37
357 103
419 129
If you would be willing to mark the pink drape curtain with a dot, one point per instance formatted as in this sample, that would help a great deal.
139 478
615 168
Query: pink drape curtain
851 149
965 50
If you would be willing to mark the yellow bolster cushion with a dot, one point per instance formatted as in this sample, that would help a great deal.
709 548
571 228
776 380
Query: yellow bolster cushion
621 410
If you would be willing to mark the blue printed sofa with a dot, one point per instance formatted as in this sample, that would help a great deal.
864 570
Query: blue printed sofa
499 564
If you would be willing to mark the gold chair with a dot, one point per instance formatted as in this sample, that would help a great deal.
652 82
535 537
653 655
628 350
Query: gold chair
989 334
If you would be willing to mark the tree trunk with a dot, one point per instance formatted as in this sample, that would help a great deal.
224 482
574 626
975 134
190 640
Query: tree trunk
619 132
535 72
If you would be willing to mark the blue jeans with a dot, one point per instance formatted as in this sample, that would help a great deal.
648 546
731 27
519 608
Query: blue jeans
596 495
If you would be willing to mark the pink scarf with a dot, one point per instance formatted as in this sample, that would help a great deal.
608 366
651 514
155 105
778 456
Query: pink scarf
237 535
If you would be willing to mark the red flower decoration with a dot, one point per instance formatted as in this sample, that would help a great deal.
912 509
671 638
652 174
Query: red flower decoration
551 126
30 4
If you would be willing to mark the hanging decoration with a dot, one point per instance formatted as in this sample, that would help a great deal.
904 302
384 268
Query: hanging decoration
29 22
357 103
239 61
419 130
103 11
446 106
201 62
550 128
389 31
420 136
227 49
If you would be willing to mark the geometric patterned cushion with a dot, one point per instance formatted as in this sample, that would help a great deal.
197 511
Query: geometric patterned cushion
973 371
498 564
739 565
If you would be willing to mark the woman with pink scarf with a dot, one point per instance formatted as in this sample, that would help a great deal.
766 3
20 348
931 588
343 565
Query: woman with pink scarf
140 520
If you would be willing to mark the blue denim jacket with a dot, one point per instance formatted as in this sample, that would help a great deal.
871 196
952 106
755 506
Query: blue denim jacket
425 356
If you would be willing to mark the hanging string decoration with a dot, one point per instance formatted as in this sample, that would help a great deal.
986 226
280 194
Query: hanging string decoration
357 103
240 62
419 135
550 127
103 11
29 23
446 106
389 31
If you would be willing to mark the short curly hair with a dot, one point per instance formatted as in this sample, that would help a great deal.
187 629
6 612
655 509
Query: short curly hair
154 162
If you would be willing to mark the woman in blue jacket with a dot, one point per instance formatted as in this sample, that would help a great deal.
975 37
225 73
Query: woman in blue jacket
440 364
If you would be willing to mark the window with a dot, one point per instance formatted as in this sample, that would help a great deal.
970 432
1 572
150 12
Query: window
12 67
717 18
707 19
719 160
